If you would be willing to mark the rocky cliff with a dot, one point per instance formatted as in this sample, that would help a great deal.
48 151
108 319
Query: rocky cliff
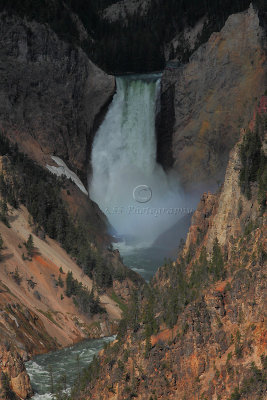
200 331
122 10
51 295
52 96
206 101
14 381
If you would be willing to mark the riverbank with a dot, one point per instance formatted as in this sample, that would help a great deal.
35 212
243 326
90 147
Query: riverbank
59 370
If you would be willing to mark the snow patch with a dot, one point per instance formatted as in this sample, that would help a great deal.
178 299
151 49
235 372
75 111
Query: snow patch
62 169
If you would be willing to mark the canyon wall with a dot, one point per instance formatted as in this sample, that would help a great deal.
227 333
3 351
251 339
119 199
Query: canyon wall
14 380
122 10
205 102
52 96
215 345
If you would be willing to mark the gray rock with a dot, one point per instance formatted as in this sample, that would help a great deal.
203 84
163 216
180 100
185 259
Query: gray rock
52 96
208 100
122 10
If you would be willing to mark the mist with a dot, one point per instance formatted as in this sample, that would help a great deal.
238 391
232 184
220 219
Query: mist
139 198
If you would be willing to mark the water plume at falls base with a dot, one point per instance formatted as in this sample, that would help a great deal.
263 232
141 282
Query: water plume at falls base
124 157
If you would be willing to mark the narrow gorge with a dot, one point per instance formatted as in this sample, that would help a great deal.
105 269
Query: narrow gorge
139 198
133 189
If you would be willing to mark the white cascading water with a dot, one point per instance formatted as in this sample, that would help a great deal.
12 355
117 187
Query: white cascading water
124 157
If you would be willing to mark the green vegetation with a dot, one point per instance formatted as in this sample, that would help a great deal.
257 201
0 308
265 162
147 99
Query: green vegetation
1 243
119 301
60 282
49 315
4 210
17 277
217 264
254 162
88 374
131 316
40 192
29 246
248 228
7 391
236 394
256 381
250 153
86 301
238 345
183 289
170 301
200 270
254 384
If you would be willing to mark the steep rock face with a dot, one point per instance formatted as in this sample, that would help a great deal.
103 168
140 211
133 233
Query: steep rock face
37 314
13 375
208 353
127 8
52 95
82 208
217 347
184 42
225 214
211 97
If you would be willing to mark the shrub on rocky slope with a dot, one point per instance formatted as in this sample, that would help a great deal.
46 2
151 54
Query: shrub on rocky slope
199 331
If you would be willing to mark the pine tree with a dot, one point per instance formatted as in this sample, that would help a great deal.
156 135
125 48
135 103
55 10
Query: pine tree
4 212
1 243
217 264
69 284
60 282
30 246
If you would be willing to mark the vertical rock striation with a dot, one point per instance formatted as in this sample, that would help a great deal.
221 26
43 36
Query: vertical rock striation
14 380
216 348
205 102
52 95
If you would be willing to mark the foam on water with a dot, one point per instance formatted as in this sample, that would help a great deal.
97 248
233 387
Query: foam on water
124 156
67 362
46 396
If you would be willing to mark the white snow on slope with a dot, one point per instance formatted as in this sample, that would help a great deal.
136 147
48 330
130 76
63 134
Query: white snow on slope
62 169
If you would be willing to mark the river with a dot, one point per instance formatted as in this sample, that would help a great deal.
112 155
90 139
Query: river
139 198
61 366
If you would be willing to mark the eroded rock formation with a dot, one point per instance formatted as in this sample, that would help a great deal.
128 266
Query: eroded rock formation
216 349
14 380
205 102
52 96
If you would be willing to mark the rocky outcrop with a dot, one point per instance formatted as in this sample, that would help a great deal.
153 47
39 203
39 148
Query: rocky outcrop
185 42
216 348
205 102
225 215
37 314
122 10
14 380
52 96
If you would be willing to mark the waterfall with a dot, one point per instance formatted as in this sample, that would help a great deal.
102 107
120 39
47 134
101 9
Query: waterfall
124 158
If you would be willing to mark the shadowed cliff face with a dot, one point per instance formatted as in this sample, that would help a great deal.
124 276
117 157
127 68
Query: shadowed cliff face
52 95
205 102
